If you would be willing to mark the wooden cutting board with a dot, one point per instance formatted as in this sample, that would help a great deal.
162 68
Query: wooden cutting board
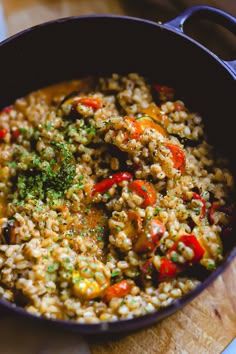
208 324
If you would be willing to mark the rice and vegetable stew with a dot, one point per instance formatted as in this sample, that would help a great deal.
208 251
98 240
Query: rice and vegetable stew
110 198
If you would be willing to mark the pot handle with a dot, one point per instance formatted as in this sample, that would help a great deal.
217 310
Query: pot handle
209 13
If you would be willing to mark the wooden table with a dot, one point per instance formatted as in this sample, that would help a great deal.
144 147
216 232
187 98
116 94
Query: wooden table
208 324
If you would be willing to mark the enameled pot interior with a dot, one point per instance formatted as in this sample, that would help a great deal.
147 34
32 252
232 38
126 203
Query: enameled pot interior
101 45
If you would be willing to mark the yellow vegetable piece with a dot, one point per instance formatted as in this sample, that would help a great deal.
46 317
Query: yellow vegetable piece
90 279
147 122
86 288
156 114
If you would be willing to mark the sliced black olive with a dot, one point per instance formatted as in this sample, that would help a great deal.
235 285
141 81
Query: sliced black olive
69 96
33 143
110 92
211 197
163 192
103 165
31 172
13 180
92 145
187 142
119 107
122 156
191 223
209 169
7 232
195 189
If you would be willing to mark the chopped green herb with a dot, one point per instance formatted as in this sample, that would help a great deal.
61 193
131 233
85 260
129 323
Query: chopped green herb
211 266
115 273
51 268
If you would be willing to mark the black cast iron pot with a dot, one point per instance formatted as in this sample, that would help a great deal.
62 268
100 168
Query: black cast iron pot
100 45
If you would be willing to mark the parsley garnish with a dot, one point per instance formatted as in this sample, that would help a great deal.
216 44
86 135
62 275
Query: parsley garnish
115 273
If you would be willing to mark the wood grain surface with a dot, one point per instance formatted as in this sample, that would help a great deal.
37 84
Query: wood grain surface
205 326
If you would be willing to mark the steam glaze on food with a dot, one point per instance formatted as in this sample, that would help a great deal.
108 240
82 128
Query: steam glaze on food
110 197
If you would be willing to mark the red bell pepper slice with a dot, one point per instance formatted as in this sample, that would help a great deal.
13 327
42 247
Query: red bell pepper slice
94 103
149 238
191 242
107 183
3 133
168 269
144 190
178 156
119 290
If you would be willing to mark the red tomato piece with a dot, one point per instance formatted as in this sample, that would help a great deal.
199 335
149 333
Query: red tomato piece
3 133
137 130
178 156
149 238
107 183
94 103
168 269
144 190
119 290
191 242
